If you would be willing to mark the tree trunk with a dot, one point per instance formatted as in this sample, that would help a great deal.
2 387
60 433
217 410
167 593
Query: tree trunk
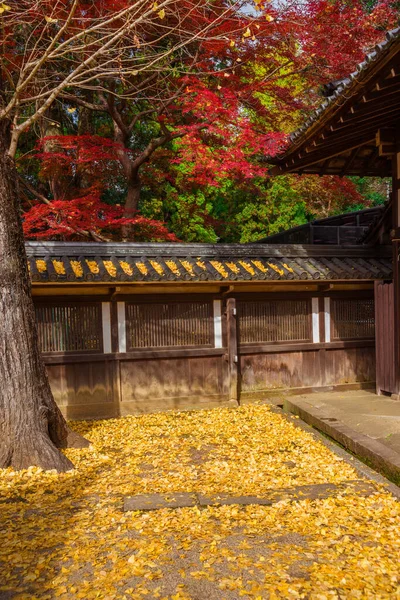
59 181
32 427
132 201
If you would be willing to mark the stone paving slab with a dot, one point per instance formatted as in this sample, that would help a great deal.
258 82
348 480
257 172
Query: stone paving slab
317 491
157 501
314 412
378 417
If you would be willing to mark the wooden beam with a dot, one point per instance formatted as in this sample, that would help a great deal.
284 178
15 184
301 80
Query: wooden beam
233 352
331 152
386 141
379 118
385 89
350 161
368 128
386 149
378 104
390 78
381 89
386 135
370 160
367 168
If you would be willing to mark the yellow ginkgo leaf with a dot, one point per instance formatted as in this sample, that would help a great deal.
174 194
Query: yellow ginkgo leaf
155 6
5 7
71 110
50 20
161 13
247 33
232 43
269 18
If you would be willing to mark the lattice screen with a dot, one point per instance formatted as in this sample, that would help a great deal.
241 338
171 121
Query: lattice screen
275 321
352 318
164 325
69 327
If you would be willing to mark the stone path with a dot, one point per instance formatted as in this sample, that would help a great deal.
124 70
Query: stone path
364 411
362 422
303 492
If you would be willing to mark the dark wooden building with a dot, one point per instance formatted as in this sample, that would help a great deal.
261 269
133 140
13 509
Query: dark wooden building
356 131
348 229
130 328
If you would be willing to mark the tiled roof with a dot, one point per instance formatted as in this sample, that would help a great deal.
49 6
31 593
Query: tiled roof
345 87
126 262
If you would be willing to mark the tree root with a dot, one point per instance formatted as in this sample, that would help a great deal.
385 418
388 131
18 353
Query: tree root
75 440
33 450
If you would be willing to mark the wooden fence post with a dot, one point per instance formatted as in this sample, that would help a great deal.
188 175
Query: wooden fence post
233 354
396 261
115 364
379 317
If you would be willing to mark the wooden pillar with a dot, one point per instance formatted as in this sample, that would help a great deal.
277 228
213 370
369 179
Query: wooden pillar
233 353
114 365
121 327
379 342
324 335
396 247
114 327
106 327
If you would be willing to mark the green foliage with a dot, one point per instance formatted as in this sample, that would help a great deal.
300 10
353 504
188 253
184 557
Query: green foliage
186 214
232 212
374 190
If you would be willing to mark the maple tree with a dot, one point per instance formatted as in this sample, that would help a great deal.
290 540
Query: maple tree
218 103
70 162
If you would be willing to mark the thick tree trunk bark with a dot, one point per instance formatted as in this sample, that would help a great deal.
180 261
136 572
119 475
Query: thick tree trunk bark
133 195
132 201
32 427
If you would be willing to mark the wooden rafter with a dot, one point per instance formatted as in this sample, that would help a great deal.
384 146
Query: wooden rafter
365 103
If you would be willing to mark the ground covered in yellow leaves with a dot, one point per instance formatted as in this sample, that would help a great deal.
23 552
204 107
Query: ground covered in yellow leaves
66 536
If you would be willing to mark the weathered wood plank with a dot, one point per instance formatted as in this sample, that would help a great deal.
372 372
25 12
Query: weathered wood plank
233 353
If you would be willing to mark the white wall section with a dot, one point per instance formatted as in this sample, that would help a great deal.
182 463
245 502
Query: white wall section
217 323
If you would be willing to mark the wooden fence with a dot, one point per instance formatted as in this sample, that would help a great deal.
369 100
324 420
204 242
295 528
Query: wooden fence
140 355
385 352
